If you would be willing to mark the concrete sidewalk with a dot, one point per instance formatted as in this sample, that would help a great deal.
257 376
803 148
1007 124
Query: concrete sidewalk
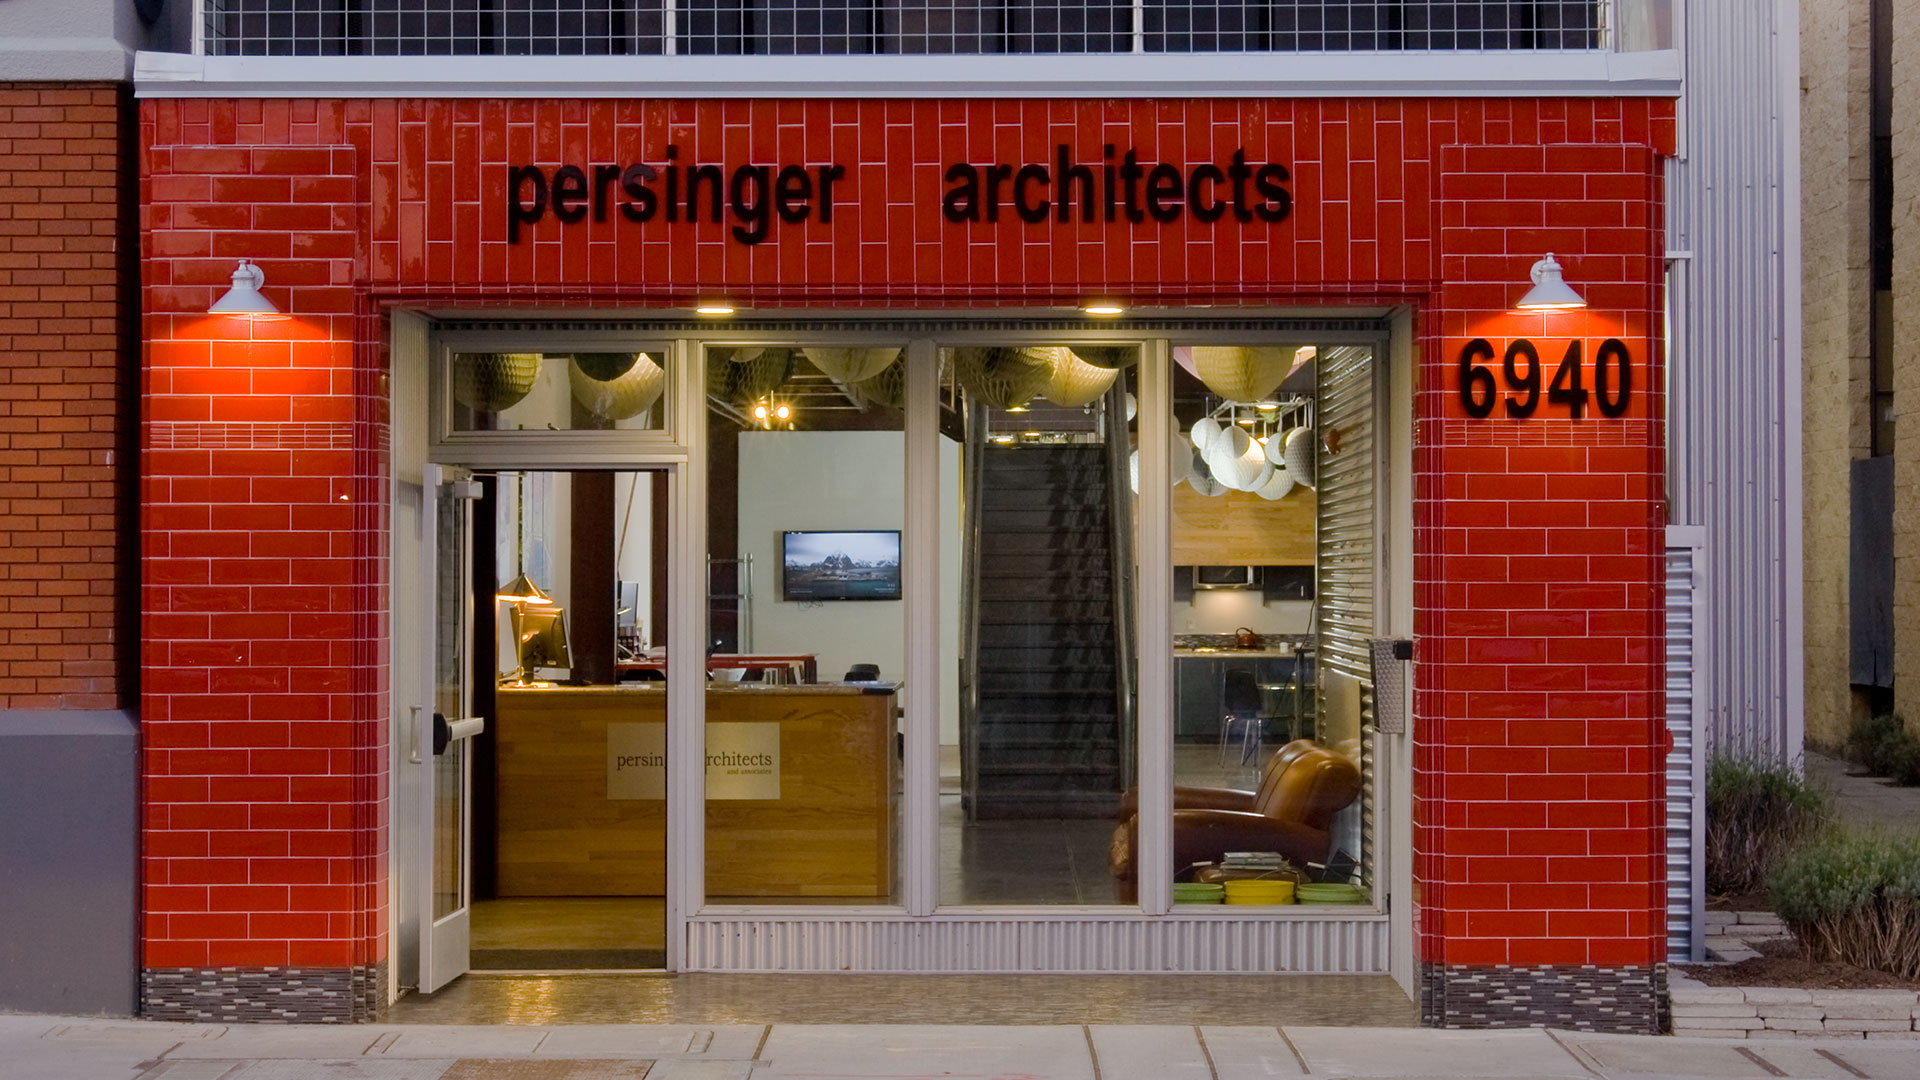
58 1048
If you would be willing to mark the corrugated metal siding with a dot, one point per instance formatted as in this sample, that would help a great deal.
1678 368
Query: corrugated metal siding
1347 552
1733 375
1683 884
1030 943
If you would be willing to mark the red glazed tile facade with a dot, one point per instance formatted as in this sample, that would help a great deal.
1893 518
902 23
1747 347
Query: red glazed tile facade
1538 609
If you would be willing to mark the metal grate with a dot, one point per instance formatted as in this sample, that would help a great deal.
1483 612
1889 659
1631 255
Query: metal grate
913 27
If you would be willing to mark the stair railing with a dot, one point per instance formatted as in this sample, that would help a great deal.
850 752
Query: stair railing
970 557
1120 521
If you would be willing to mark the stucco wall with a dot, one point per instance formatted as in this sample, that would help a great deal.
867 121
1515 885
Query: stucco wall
1906 365
1834 156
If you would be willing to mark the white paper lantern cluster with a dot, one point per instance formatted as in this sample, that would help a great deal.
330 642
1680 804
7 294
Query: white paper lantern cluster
1232 460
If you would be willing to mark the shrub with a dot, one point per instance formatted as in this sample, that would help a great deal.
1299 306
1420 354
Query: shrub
1873 742
1883 746
1756 810
1854 897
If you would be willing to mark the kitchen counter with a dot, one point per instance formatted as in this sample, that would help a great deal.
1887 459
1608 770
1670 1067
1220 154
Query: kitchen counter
1231 653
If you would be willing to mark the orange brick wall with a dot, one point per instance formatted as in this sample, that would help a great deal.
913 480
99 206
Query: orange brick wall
66 268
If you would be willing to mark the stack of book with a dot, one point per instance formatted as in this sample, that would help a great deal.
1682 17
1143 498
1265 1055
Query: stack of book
1254 860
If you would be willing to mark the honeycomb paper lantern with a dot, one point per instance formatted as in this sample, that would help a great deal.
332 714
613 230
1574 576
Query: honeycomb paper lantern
886 388
1003 378
850 366
1276 445
747 374
1106 356
1244 471
1299 456
1074 382
632 390
491 382
1242 373
1277 486
1224 451
1207 485
1204 431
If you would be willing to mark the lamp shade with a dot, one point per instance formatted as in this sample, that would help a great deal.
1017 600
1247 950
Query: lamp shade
491 382
1240 373
1074 382
1106 356
617 386
244 297
522 590
1550 291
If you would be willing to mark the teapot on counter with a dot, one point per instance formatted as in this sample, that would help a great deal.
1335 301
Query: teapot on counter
1245 638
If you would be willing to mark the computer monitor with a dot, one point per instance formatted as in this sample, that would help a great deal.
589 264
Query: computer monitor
542 634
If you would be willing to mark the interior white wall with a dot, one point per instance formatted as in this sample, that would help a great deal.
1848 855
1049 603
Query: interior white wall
633 541
841 480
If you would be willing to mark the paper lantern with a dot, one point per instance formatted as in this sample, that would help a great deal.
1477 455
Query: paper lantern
1239 462
1003 378
631 390
849 366
1276 445
1185 465
1204 431
1133 471
490 382
1106 356
747 374
1277 485
1299 456
1241 373
1207 485
886 388
1074 382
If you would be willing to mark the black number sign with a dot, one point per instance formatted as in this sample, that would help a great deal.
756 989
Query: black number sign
1523 372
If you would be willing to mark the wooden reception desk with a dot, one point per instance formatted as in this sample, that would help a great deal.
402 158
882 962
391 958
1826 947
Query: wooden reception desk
581 807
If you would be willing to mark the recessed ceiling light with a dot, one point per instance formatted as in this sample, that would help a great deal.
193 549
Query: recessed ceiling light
1104 308
713 309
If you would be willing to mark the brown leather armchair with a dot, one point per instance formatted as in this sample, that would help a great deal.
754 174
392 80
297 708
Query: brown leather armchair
1302 787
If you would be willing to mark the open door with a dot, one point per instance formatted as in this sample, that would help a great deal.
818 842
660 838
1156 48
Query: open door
443 734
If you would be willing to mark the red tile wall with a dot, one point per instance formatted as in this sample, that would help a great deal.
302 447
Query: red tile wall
1537 689
65 567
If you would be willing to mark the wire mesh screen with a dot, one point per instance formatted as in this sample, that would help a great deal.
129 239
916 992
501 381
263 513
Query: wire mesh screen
832 27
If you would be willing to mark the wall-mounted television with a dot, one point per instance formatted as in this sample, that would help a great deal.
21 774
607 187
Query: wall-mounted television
854 565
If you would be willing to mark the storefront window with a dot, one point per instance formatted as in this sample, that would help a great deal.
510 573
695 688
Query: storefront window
1267 759
1040 753
806 494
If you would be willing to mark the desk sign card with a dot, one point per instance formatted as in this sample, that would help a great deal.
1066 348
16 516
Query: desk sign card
743 761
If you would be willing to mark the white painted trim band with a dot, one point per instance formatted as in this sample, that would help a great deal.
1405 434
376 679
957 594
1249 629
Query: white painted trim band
1578 73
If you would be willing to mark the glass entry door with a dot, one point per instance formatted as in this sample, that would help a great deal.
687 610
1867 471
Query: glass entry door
443 738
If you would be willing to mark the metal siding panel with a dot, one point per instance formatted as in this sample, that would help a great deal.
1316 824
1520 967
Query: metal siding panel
1681 895
1731 372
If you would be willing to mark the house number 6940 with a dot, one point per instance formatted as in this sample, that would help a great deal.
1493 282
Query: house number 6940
1523 372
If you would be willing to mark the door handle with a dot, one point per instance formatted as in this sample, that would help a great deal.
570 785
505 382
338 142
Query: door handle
445 731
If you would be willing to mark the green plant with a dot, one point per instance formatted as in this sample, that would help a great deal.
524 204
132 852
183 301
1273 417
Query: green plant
1756 810
1854 897
1876 743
